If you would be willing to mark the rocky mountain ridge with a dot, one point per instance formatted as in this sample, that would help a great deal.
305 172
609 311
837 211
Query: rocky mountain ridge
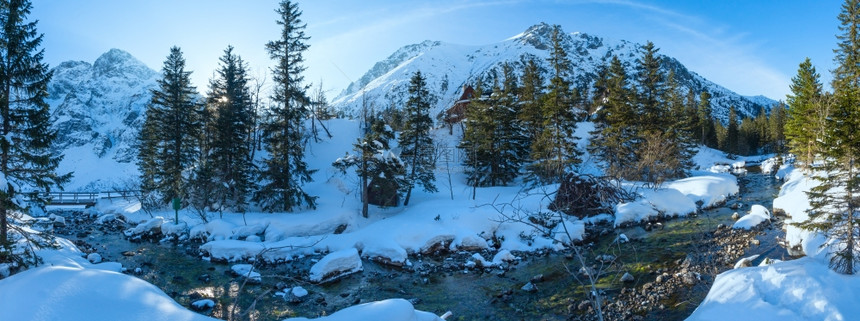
448 67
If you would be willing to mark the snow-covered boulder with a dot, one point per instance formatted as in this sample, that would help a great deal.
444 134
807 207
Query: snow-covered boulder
389 310
299 292
570 232
215 230
769 165
175 230
385 252
669 201
147 228
232 250
711 190
504 256
438 242
758 214
745 262
478 261
471 242
202 305
94 258
246 271
58 220
633 212
106 218
336 265
242 232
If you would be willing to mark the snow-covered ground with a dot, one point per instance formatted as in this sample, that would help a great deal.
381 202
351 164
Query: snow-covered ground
802 289
448 219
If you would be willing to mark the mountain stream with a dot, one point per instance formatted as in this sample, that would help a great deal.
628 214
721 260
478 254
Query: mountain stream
654 254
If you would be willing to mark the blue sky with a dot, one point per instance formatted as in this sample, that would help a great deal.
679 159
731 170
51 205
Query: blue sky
751 47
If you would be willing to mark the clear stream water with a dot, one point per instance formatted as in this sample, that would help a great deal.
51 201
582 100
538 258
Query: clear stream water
469 294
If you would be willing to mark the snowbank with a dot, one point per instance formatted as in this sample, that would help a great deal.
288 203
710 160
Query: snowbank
757 215
711 190
636 211
389 310
794 202
803 289
677 198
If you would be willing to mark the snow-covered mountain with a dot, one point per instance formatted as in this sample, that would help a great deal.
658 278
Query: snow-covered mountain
98 109
448 67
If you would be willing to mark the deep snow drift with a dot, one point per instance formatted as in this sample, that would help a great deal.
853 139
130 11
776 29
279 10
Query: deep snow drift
67 287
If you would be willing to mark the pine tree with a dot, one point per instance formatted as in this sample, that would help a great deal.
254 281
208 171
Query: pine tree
776 128
513 139
749 139
554 153
493 141
229 99
835 203
731 142
705 125
651 89
805 99
477 138
25 126
692 111
680 126
169 141
613 139
415 142
530 99
381 171
658 151
285 171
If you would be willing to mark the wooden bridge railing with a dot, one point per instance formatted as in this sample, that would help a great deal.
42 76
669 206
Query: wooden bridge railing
81 198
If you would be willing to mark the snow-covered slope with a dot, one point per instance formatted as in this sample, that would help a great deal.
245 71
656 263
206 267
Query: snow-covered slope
97 110
449 66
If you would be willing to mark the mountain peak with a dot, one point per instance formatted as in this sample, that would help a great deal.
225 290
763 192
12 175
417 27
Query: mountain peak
119 63
538 36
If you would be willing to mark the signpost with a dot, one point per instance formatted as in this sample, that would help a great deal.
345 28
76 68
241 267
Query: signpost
177 203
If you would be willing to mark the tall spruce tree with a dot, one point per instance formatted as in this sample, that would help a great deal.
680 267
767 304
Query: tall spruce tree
651 82
776 128
835 203
530 100
554 153
614 135
682 126
731 143
26 160
416 145
493 141
705 126
229 156
285 170
658 151
803 102
169 140
477 139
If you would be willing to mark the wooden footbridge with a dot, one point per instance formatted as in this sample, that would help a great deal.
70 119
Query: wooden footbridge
82 198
